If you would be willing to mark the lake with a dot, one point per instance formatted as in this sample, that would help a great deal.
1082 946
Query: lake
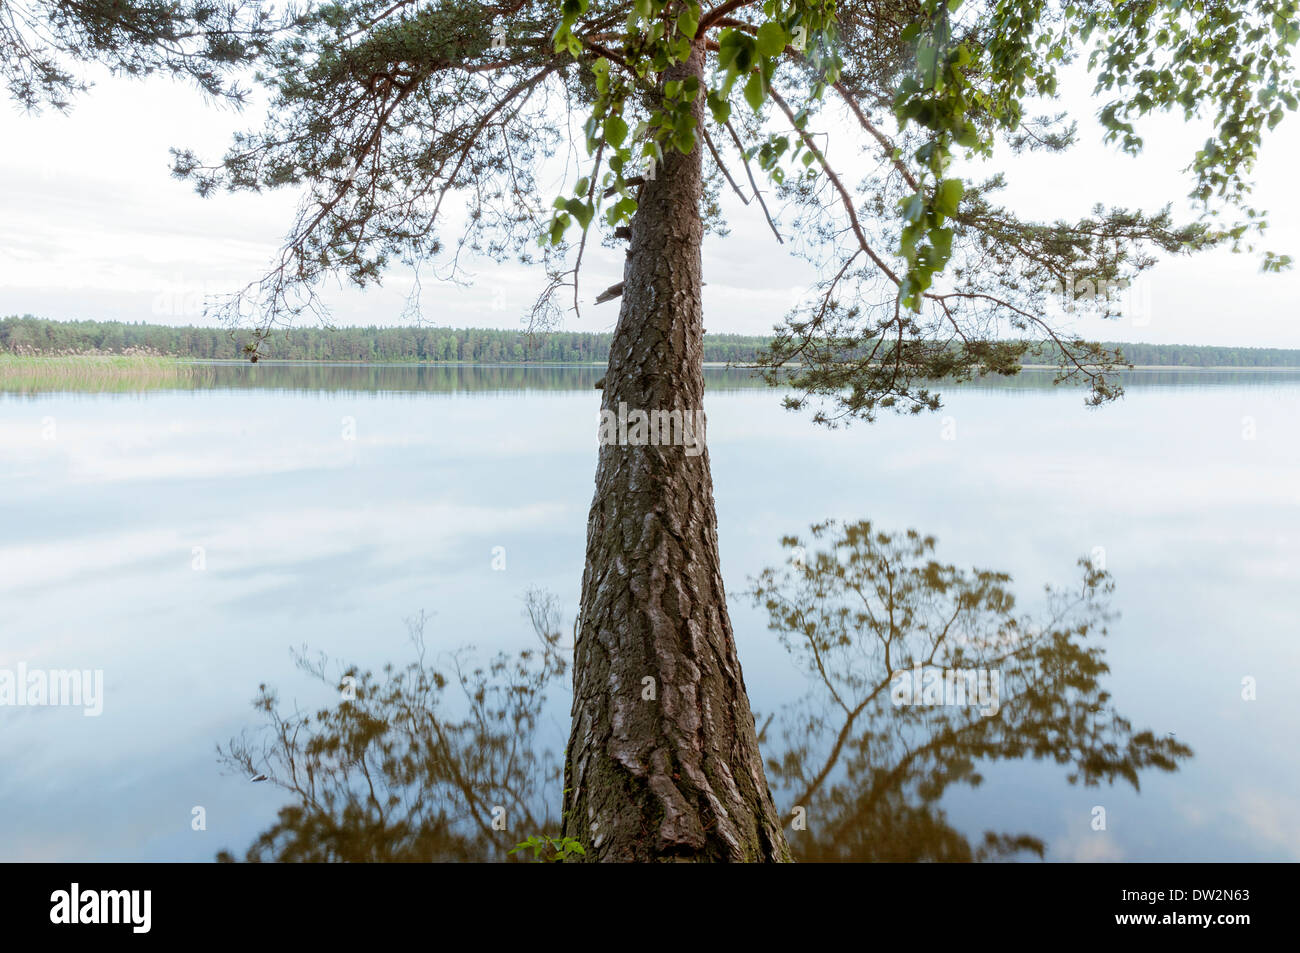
183 541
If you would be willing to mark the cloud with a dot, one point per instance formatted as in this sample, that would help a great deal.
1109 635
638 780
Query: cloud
99 232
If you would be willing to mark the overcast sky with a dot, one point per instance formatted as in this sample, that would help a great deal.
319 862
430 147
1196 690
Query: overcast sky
93 226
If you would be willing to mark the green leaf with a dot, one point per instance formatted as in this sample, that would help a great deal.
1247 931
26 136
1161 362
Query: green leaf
580 210
913 207
745 53
558 225
621 210
615 131
720 107
771 39
926 54
728 48
907 243
688 21
948 195
968 137
754 92
941 238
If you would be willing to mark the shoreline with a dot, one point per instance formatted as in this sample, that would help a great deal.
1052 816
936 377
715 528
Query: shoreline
129 363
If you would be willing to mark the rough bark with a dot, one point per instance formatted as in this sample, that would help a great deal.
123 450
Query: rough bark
677 776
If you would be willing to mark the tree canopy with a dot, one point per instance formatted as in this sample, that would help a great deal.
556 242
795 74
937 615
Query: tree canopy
46 45
384 111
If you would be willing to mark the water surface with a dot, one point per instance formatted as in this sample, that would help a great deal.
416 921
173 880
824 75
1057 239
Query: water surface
184 540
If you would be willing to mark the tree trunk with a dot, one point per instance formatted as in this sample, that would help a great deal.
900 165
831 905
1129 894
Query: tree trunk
663 760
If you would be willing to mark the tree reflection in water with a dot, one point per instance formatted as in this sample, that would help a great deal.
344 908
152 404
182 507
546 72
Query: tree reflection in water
450 762
857 616
420 763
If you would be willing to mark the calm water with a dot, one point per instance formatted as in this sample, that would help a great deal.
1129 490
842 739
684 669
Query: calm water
183 541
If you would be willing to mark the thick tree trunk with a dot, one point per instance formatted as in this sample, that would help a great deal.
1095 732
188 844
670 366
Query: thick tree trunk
663 760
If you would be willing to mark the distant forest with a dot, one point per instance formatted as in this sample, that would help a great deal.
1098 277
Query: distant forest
37 336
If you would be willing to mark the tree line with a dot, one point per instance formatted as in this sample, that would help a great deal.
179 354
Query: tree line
29 335
37 336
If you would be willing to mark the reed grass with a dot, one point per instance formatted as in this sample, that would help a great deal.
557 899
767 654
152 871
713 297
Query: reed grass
92 372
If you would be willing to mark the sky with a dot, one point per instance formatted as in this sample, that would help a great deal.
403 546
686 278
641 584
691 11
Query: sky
93 227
